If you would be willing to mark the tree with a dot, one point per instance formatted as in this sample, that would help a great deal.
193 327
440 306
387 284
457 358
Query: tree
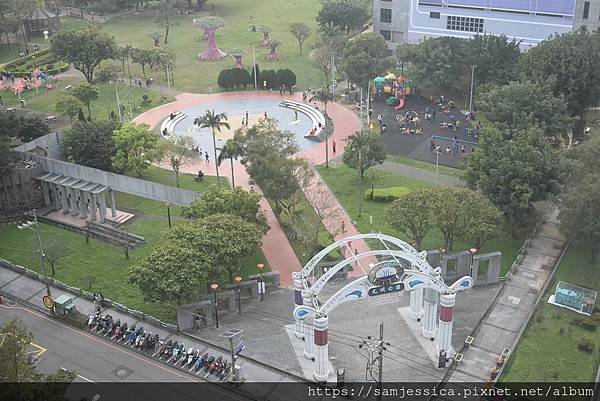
495 56
324 96
411 215
136 147
568 63
91 143
226 78
21 8
68 105
178 149
344 15
364 150
515 173
269 77
518 105
125 54
231 150
143 57
215 122
225 238
53 251
285 77
321 57
366 57
235 201
166 15
174 271
24 128
482 220
84 48
86 94
301 32
7 156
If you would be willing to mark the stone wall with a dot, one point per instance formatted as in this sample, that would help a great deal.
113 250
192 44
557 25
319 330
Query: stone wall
455 265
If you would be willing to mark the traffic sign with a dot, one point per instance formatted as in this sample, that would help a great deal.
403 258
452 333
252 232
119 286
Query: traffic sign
48 301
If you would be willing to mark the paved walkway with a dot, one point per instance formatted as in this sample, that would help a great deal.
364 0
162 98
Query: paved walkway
504 322
32 291
420 174
276 247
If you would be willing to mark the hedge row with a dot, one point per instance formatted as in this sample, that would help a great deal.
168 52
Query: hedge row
25 65
386 194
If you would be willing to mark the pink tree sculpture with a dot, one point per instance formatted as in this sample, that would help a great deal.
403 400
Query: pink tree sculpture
237 55
210 25
265 30
273 56
19 87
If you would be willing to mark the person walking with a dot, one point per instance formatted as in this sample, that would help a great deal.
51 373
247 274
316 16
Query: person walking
207 157
333 145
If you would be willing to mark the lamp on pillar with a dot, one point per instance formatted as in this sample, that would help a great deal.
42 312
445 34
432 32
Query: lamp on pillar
168 205
472 251
238 279
298 301
214 287
261 282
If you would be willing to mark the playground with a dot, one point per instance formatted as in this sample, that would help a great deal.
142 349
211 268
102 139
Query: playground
426 129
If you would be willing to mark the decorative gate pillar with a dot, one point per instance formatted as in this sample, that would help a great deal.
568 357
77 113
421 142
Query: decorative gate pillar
298 301
321 323
428 321
309 346
446 321
416 304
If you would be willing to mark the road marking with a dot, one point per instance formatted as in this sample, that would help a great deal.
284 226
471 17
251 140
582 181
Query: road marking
84 378
40 350
93 338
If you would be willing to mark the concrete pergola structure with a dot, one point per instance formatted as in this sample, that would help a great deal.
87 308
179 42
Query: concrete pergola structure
81 198
396 266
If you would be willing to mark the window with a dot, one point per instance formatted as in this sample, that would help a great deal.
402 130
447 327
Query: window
387 35
586 9
466 24
385 15
434 15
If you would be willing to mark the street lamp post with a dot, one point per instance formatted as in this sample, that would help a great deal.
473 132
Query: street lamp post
239 294
29 225
472 251
214 287
472 79
261 283
168 205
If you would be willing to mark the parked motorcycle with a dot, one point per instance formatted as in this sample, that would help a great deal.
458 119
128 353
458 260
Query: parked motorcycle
215 365
119 332
187 357
93 320
207 364
200 362
127 335
169 350
111 329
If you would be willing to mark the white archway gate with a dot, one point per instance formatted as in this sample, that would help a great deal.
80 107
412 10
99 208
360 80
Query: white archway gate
395 267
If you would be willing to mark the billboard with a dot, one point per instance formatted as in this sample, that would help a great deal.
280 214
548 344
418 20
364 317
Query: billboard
561 7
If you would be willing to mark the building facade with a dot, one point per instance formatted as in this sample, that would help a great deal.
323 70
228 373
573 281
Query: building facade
529 21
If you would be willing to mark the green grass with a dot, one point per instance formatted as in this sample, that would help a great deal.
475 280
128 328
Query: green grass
8 54
131 97
343 182
105 262
546 354
193 75
445 170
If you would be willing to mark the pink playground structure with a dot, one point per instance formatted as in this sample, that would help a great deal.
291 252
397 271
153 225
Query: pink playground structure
210 24
400 91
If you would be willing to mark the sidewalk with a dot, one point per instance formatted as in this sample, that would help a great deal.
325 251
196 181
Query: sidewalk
510 312
32 290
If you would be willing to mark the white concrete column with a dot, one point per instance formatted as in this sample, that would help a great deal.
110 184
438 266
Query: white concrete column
321 323
55 196
45 191
64 199
82 204
444 338
92 198
101 206
298 301
73 202
113 204
309 346
428 322
416 304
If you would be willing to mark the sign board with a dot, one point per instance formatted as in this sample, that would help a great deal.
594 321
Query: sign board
386 289
239 348
48 301
261 287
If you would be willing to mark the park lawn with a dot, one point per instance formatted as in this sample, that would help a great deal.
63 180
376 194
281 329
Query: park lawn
343 182
544 353
445 170
107 263
193 75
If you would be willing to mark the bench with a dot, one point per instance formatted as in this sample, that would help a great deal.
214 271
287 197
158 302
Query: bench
169 123
68 87
51 119
469 341
11 110
317 118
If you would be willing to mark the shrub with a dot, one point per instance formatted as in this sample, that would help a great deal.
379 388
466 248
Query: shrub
269 77
583 344
386 194
285 77
589 324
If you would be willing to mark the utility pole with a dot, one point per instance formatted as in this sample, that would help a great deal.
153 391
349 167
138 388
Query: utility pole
375 348
36 228
472 79
332 59
254 68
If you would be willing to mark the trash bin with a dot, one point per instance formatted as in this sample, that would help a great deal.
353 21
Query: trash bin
64 305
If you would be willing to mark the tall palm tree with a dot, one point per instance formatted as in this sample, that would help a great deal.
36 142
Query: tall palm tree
214 121
324 96
231 150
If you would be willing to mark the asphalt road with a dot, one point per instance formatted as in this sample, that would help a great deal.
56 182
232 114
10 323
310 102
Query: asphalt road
104 367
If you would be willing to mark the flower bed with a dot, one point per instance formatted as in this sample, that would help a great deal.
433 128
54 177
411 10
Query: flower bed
44 59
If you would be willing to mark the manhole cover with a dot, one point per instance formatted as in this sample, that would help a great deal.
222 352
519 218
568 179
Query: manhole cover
122 372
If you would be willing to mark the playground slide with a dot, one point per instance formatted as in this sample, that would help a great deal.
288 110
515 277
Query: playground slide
400 105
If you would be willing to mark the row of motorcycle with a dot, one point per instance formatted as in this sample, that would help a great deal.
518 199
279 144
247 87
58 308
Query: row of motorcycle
173 352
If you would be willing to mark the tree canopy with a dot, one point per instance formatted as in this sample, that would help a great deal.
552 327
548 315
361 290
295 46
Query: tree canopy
91 143
345 15
67 105
84 48
24 128
301 32
366 57
136 147
177 149
86 94
411 215
364 150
